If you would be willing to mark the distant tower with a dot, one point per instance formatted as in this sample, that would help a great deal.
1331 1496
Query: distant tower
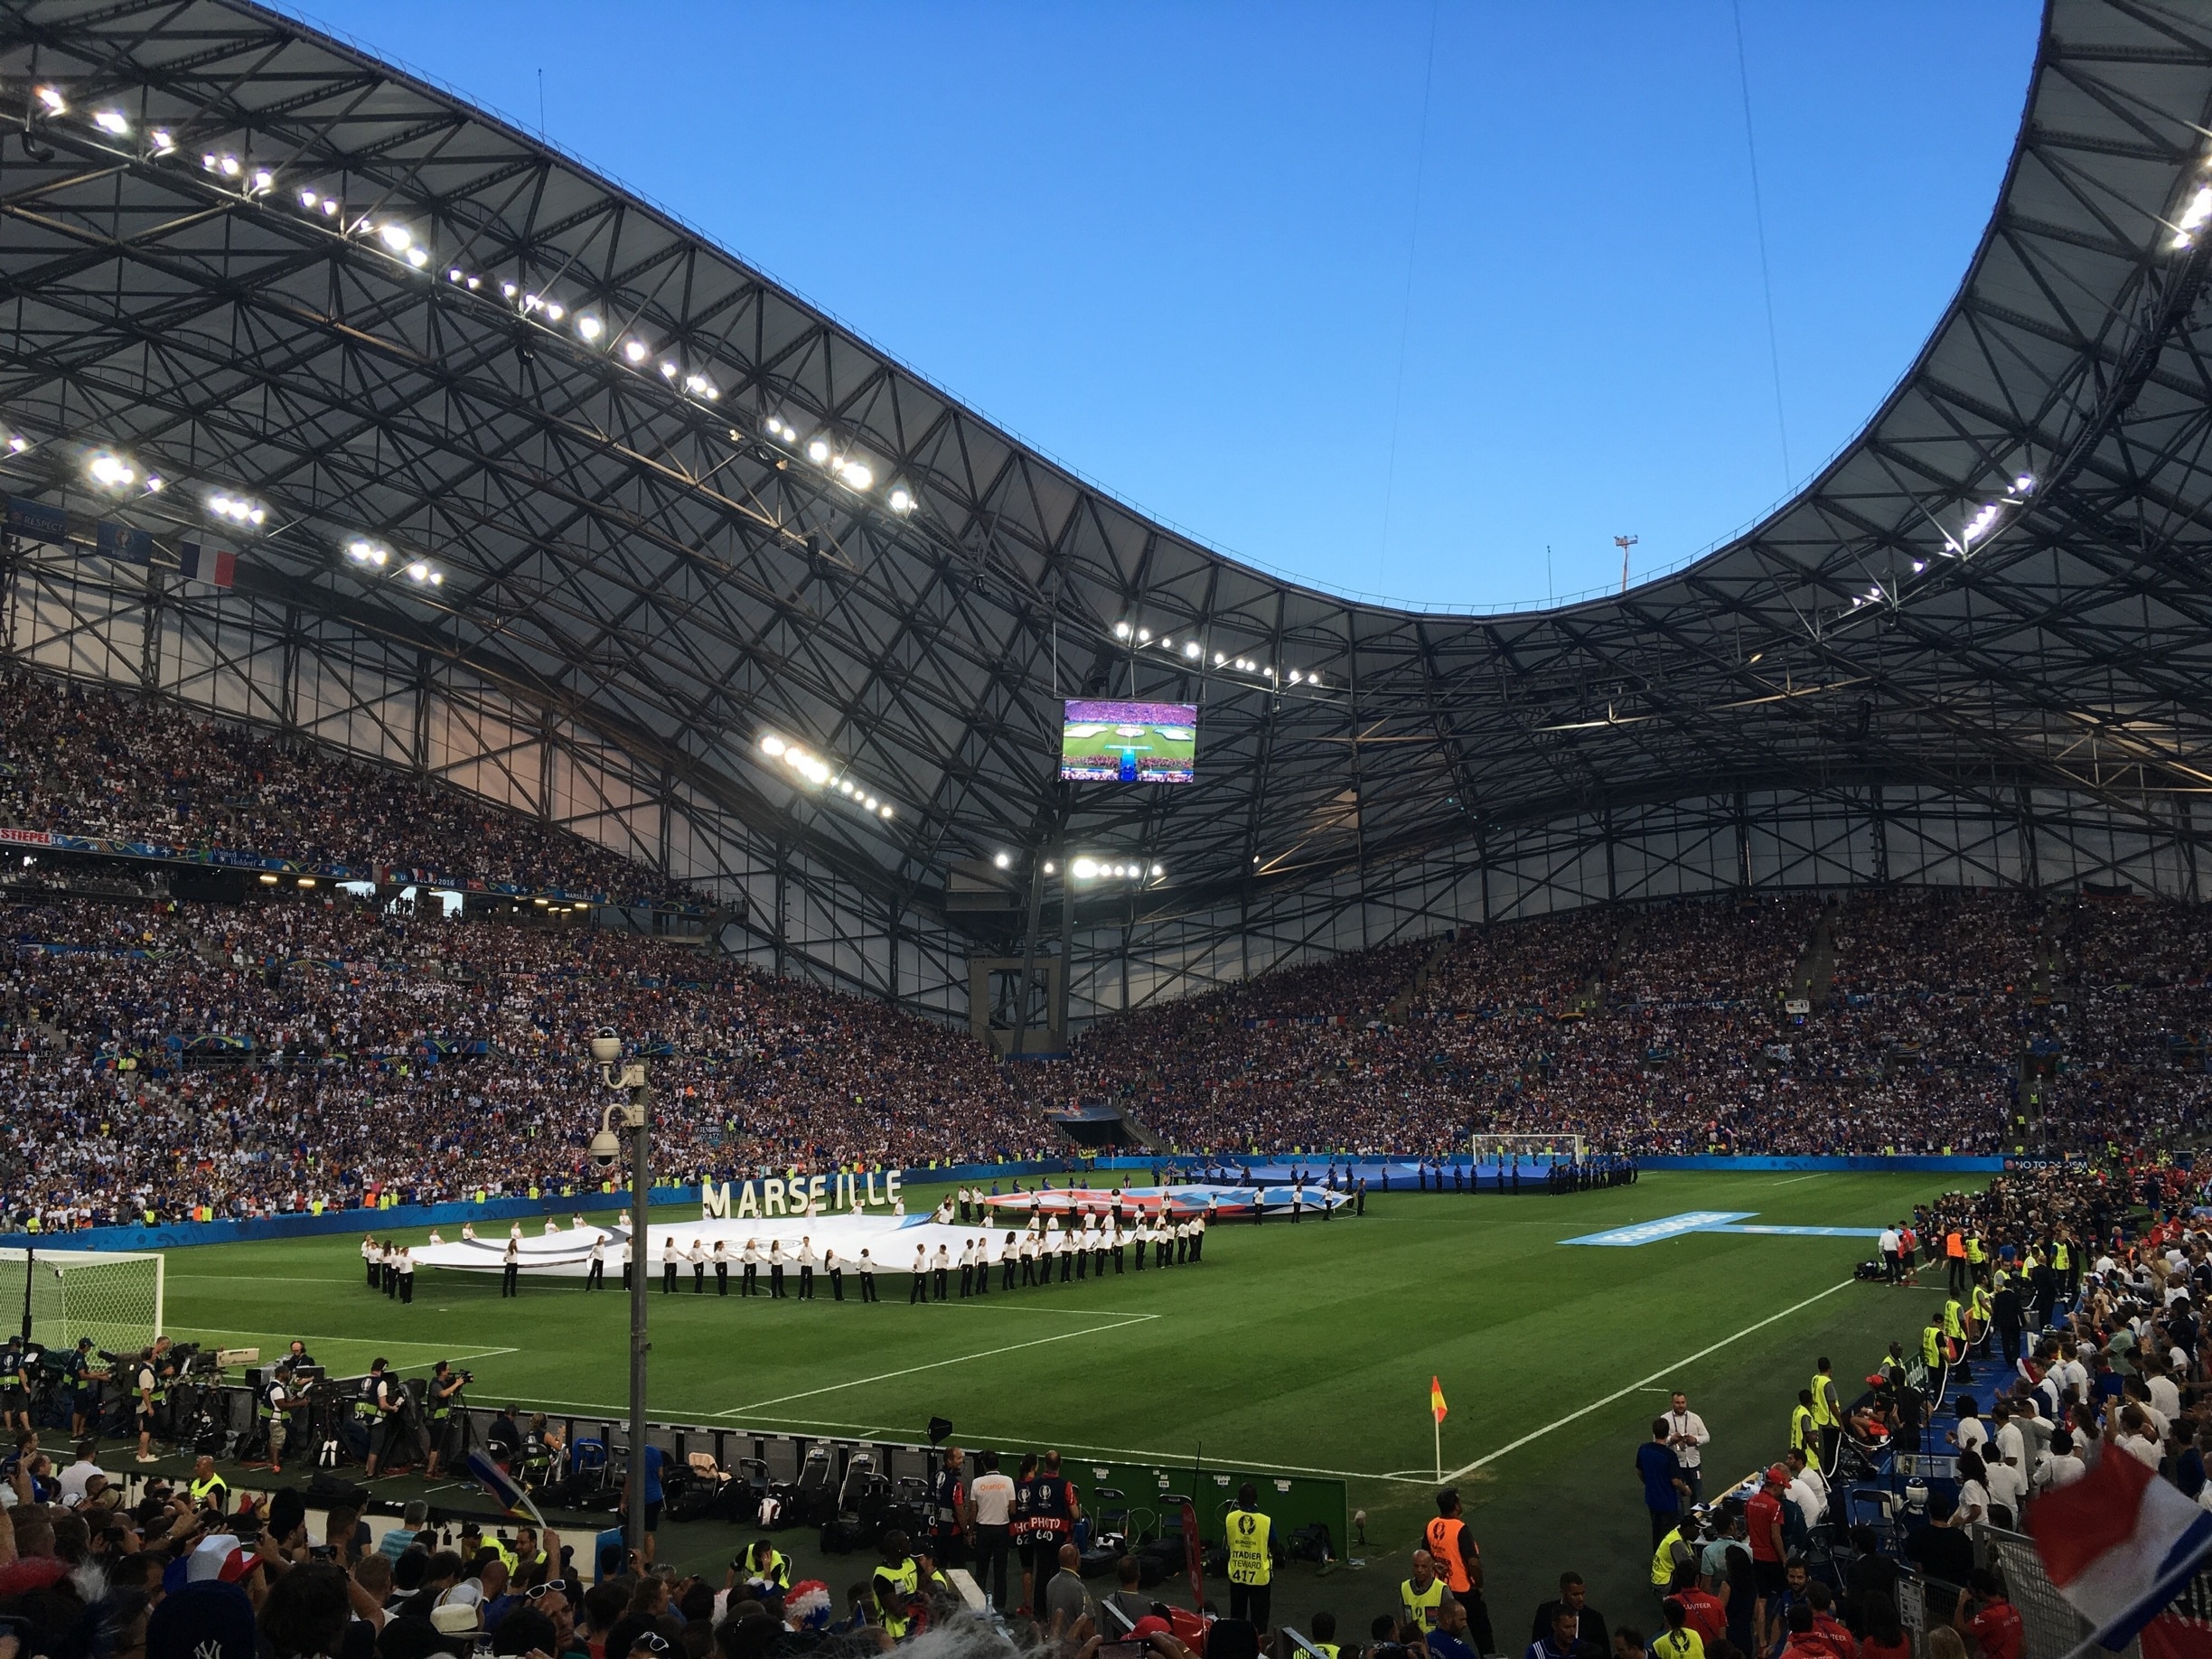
1624 543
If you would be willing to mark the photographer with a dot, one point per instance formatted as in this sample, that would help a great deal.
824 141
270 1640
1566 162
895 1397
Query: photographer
270 1406
15 1368
377 1413
82 1377
441 1403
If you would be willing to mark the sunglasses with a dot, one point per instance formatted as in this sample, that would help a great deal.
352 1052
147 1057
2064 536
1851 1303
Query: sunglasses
551 1587
650 1642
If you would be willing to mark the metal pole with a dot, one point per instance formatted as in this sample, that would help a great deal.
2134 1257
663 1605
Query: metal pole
641 1183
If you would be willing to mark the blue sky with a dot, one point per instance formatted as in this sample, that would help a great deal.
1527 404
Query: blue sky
1176 245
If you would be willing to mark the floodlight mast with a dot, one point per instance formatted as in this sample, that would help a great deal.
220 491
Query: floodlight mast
635 1115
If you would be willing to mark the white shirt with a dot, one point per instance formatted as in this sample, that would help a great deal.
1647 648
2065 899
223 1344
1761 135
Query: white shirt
1970 1434
74 1477
1973 1502
2145 1452
1809 1492
2008 1486
806 1258
2055 1471
994 1498
2010 1446
1887 1242
1688 1426
2165 1396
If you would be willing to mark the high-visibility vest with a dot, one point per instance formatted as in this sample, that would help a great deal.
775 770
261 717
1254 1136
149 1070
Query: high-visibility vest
1974 1251
905 1580
1248 1561
1954 1244
1955 1328
1441 1536
1983 1304
1823 1385
776 1573
1662 1559
1931 1347
1684 1643
2061 1257
1420 1605
201 1490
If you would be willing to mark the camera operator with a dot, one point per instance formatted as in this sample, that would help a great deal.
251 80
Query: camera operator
441 1401
377 1410
16 1364
272 1406
81 1377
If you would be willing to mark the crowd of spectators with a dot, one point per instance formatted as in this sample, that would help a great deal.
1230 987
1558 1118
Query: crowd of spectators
85 761
1885 1020
293 1052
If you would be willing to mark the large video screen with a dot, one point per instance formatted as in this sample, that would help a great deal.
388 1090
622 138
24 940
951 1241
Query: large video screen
1128 743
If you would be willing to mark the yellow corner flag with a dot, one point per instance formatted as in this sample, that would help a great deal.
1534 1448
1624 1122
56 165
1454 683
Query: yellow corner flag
1436 1408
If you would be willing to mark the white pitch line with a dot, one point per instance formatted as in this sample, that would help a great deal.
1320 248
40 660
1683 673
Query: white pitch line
365 1342
1792 1180
1641 1383
960 1359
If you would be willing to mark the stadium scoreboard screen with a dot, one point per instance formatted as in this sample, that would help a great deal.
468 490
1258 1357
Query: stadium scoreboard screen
1128 743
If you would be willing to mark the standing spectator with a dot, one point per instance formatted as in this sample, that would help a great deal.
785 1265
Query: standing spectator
1663 1486
1687 1434
990 1512
1585 1623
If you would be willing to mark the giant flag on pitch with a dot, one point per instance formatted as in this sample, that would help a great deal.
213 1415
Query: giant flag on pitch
2119 1544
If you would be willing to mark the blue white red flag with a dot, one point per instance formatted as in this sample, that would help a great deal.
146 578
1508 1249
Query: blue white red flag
2119 1544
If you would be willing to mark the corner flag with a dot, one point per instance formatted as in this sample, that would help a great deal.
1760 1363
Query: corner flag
1437 1409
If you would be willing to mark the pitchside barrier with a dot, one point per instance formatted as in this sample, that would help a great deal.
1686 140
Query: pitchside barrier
405 1218
1143 1499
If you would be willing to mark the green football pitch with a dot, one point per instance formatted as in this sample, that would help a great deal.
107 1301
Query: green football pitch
1304 1349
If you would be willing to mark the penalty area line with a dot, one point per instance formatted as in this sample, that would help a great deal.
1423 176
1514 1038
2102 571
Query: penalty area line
958 1359
1642 1383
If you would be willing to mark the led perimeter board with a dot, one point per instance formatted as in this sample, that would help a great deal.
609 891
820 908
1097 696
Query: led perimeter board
1128 743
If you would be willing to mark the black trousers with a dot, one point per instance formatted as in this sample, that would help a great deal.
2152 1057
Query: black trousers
1067 1264
806 1284
836 1284
967 1280
748 1281
407 1286
982 1272
508 1275
721 1278
667 1278
1252 1601
776 1280
699 1279
1006 1273
920 1293
597 1279
371 1264
1028 1269
867 1287
992 1546
942 1276
627 1270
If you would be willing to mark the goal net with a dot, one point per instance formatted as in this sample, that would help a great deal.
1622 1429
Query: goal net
111 1297
1504 1149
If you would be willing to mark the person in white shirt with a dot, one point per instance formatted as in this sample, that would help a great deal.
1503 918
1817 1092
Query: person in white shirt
668 1267
551 1227
2129 1429
72 1479
2008 1489
1969 1435
1889 1244
468 1232
370 1258
1687 1434
808 1262
776 1265
407 1274
749 1265
1974 1495
721 1267
2062 1465
918 1290
941 1271
696 1257
991 1513
514 1232
2165 1397
1808 1487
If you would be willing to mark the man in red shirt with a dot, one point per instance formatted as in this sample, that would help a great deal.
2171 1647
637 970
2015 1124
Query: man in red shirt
1763 1515
1827 1628
1702 1611
1990 1624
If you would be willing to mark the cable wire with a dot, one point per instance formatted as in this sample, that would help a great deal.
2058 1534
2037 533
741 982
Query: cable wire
1758 218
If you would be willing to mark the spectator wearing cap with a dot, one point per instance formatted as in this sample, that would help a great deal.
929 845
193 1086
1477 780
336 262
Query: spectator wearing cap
205 1619
1763 1522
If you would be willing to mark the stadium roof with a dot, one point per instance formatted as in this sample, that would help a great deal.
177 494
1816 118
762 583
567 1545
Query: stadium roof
2001 585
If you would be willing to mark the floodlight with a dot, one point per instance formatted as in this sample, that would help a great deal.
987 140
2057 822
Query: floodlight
153 482
771 745
1194 650
330 207
308 198
870 804
1050 868
1000 861
418 257
112 121
507 290
112 472
1121 631
858 476
817 451
1295 677
17 443
263 181
420 571
901 502
1157 870
590 327
231 166
51 97
1144 636
1219 659
554 311
885 812
163 141
636 350
1083 870
398 237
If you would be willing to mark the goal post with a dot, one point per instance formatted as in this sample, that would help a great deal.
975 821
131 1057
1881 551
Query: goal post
113 1297
1540 1150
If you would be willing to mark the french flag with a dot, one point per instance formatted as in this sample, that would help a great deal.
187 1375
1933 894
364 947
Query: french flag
505 1491
2120 1544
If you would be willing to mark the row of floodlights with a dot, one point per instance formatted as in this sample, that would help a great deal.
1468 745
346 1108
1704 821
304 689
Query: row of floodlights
401 242
810 768
1988 518
1192 651
1093 869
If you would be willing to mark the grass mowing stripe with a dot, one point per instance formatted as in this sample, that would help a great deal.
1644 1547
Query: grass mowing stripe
958 1359
1664 1371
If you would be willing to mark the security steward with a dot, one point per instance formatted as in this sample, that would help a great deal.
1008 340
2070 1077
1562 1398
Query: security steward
376 1409
209 1490
1954 1335
1421 1596
1827 1410
763 1567
896 1583
1252 1565
440 1401
1458 1563
270 1407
